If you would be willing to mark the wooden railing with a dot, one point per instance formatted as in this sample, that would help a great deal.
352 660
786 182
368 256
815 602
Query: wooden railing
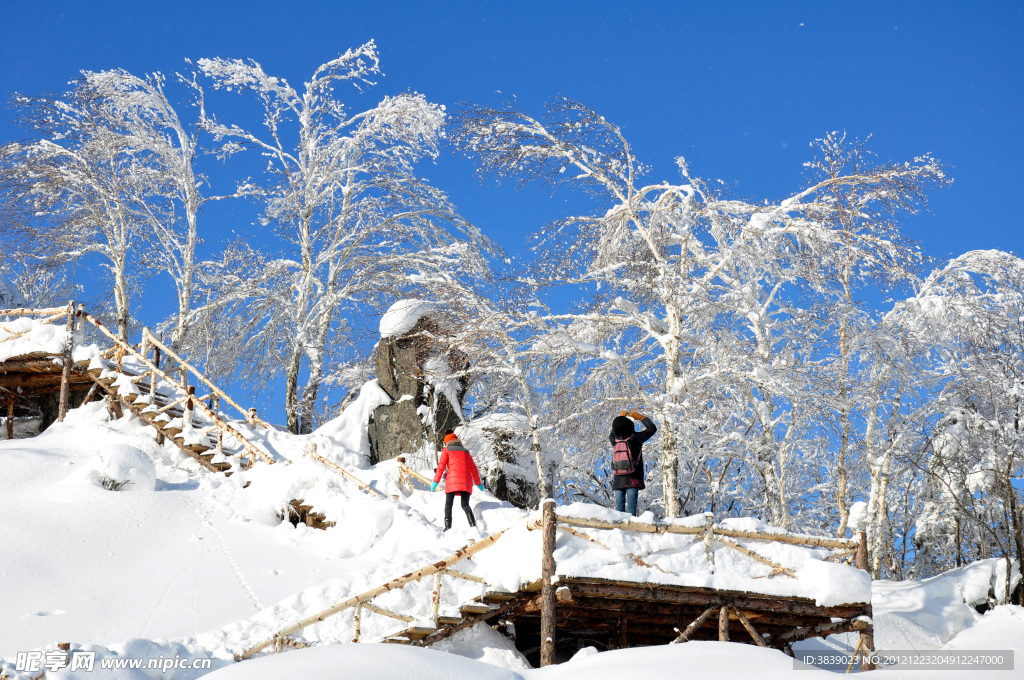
364 600
191 402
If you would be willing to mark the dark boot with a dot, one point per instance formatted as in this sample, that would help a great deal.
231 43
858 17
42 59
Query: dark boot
447 523
470 517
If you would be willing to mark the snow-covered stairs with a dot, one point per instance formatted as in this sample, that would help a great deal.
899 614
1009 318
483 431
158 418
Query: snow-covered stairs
142 381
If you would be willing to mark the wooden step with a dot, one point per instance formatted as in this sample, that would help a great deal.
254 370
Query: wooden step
474 608
416 632
449 620
497 596
397 641
171 432
223 467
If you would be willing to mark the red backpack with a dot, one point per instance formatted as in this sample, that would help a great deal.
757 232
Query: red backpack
623 462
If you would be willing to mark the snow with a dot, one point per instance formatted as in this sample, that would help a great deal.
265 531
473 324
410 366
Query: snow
189 564
26 336
402 316
349 429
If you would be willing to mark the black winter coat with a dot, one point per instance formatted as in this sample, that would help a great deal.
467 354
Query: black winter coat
636 442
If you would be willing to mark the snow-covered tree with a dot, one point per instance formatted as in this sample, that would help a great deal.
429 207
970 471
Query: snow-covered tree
694 312
340 189
80 188
151 125
973 310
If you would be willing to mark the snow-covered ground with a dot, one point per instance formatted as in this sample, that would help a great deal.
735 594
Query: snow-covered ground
184 564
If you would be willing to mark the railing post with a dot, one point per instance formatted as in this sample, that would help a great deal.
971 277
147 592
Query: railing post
252 417
186 418
709 536
10 417
867 636
547 587
435 600
65 378
357 617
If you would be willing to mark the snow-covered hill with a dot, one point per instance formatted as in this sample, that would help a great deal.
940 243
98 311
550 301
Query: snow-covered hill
185 564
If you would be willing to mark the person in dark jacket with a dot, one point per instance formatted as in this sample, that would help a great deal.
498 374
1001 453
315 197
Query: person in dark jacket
462 476
627 486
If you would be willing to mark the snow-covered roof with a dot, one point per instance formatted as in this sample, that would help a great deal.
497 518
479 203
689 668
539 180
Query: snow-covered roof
26 336
674 559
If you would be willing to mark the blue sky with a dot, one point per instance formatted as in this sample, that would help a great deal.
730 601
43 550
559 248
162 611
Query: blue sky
738 88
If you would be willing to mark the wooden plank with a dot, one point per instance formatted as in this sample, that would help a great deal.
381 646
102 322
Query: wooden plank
591 587
509 609
474 608
497 596
417 632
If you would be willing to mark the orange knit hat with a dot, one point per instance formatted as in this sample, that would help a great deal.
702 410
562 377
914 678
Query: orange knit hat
450 438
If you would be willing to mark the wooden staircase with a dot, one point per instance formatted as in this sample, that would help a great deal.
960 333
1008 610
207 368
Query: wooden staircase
153 383
492 604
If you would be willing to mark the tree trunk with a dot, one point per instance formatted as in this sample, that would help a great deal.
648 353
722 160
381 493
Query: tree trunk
669 467
291 391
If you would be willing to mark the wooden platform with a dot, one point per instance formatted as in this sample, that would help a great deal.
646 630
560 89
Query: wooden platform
615 615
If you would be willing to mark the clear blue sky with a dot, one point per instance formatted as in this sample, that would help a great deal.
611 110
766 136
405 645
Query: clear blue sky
738 88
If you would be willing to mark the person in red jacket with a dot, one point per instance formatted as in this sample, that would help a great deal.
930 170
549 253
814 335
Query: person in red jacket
462 476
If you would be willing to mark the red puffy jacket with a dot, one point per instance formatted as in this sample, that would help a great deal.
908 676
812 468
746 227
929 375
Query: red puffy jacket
462 472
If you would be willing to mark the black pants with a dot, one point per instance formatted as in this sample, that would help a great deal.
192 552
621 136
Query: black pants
449 498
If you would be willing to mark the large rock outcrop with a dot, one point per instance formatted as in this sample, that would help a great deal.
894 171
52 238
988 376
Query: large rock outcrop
425 379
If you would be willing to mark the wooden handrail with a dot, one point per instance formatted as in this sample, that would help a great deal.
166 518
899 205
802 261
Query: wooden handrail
453 559
648 527
25 311
408 470
129 349
152 339
363 486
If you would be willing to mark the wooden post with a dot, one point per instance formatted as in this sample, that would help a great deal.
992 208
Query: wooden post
435 599
867 636
694 625
750 628
547 588
91 393
357 617
252 416
709 546
152 390
723 624
186 417
65 378
10 417
144 348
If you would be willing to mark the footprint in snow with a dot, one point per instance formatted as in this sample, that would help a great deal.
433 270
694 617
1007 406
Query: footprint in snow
55 612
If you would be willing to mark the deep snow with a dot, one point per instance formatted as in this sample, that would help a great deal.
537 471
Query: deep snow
182 562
